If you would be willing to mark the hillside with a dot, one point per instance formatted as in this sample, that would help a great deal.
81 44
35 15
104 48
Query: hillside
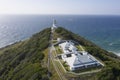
25 60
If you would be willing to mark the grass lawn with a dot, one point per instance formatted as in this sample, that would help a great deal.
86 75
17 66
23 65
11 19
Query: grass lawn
78 47
54 41
58 50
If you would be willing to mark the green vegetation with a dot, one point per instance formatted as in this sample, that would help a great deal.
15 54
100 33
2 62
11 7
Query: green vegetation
23 60
65 65
78 47
58 50
27 60
111 71
54 41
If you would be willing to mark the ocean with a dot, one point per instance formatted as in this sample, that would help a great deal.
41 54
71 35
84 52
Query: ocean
100 29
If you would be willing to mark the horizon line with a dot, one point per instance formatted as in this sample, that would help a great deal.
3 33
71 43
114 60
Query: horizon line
68 14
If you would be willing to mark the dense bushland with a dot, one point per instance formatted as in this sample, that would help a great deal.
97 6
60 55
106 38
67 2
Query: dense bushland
22 60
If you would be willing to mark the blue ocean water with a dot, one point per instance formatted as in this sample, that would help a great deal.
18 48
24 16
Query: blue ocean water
101 30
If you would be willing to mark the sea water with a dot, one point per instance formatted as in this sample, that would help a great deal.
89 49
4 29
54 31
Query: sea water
100 29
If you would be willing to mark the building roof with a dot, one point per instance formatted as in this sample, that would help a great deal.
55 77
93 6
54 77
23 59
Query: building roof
77 58
83 60
68 46
80 60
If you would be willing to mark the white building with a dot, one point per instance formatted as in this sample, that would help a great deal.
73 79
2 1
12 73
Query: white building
77 59
67 47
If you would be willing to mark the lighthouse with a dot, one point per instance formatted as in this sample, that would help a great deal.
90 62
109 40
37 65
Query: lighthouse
53 26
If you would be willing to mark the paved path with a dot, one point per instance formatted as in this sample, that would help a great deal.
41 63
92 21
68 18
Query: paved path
57 69
49 53
51 57
59 60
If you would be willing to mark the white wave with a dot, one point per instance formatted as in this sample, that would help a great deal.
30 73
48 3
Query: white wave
117 53
111 44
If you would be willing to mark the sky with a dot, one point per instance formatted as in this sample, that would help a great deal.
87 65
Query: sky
90 7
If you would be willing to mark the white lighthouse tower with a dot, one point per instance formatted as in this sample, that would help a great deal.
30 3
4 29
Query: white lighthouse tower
54 25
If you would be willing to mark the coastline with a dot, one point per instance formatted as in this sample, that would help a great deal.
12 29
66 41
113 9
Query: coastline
118 54
13 43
